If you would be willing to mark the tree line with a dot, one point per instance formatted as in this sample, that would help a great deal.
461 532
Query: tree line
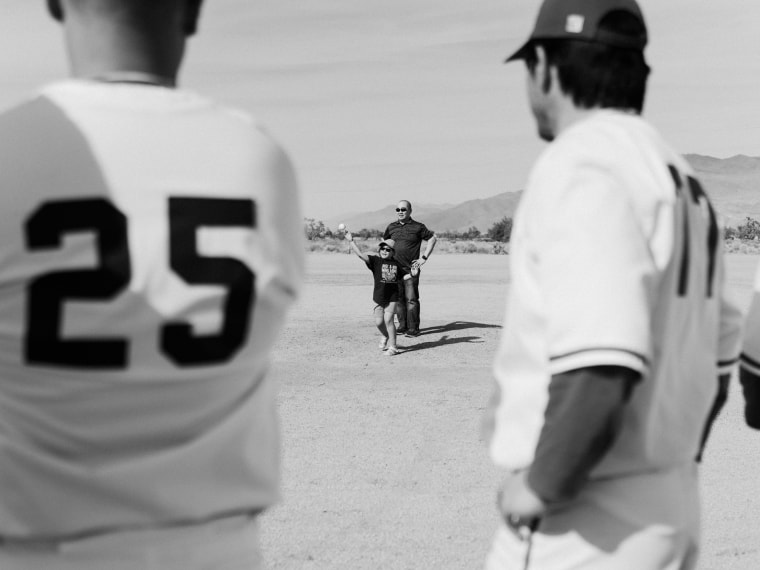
500 231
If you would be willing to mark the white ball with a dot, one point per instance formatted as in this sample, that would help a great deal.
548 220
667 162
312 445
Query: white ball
341 227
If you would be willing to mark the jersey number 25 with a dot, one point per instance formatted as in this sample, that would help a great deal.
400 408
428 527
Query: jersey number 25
47 293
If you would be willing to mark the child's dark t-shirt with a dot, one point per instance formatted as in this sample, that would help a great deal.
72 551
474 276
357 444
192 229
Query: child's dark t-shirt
387 273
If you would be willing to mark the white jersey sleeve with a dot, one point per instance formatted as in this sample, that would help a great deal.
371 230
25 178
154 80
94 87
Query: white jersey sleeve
596 274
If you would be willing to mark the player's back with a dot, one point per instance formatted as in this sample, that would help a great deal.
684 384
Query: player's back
616 261
685 290
148 251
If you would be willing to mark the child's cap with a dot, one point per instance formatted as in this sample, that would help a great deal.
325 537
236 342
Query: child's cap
389 242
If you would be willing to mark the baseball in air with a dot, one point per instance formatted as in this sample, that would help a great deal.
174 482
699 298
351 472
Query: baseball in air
341 227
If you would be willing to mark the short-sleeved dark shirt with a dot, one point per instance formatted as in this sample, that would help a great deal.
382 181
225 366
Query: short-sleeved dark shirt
386 273
408 237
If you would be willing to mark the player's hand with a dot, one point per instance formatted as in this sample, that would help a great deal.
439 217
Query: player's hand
517 501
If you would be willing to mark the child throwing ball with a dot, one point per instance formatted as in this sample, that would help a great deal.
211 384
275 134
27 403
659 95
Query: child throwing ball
386 272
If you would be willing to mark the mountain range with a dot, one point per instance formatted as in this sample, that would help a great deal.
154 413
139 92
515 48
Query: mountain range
733 185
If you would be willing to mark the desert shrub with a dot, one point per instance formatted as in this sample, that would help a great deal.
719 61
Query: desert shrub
469 234
749 230
499 248
751 247
365 233
501 230
315 229
464 247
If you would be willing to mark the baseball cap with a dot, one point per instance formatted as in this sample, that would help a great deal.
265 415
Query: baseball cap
579 20
389 242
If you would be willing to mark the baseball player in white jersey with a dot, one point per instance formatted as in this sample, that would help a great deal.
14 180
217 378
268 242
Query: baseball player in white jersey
150 244
618 339
749 361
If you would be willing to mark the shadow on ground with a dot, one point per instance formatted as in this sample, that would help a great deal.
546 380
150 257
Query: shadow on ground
446 339
457 326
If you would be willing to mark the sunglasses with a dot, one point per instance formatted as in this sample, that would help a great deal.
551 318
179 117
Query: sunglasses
401 209
385 249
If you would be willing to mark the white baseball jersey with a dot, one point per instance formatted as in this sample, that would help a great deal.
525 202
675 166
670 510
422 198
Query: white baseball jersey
616 259
150 245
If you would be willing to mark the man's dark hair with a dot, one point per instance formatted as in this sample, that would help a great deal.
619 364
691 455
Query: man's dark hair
595 74
141 9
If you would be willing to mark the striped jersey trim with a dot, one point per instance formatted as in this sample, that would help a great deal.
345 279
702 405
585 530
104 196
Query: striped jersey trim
601 349
599 356
750 364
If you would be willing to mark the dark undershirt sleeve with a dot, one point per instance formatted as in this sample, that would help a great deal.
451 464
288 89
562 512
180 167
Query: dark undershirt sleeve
720 399
582 420
751 390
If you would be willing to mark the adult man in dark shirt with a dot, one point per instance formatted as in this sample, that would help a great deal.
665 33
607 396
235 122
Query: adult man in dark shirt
409 235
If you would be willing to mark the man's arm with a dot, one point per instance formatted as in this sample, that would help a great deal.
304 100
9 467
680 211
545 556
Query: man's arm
430 245
582 421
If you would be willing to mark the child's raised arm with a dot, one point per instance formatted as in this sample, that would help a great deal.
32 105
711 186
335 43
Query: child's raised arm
355 248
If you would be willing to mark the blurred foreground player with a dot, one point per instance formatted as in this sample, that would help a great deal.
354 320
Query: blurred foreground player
749 363
150 244
618 341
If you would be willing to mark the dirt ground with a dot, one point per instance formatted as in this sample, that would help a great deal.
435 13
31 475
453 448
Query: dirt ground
383 466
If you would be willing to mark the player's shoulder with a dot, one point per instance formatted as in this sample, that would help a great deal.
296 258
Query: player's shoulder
610 142
76 94
601 136
32 122
263 144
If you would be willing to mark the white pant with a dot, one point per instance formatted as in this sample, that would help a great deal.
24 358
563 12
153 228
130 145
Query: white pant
642 522
224 544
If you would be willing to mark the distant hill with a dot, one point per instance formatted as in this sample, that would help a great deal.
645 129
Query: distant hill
732 183
379 219
480 213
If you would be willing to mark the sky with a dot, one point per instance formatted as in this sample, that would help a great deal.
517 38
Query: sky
409 99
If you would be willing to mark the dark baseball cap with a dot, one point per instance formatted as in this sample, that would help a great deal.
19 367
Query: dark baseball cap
579 20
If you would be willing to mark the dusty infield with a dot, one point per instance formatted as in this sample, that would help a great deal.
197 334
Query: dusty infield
383 466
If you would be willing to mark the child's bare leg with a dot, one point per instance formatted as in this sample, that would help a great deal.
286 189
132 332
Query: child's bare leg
390 325
380 324
380 320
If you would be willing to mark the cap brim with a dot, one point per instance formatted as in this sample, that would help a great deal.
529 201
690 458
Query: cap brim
520 53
